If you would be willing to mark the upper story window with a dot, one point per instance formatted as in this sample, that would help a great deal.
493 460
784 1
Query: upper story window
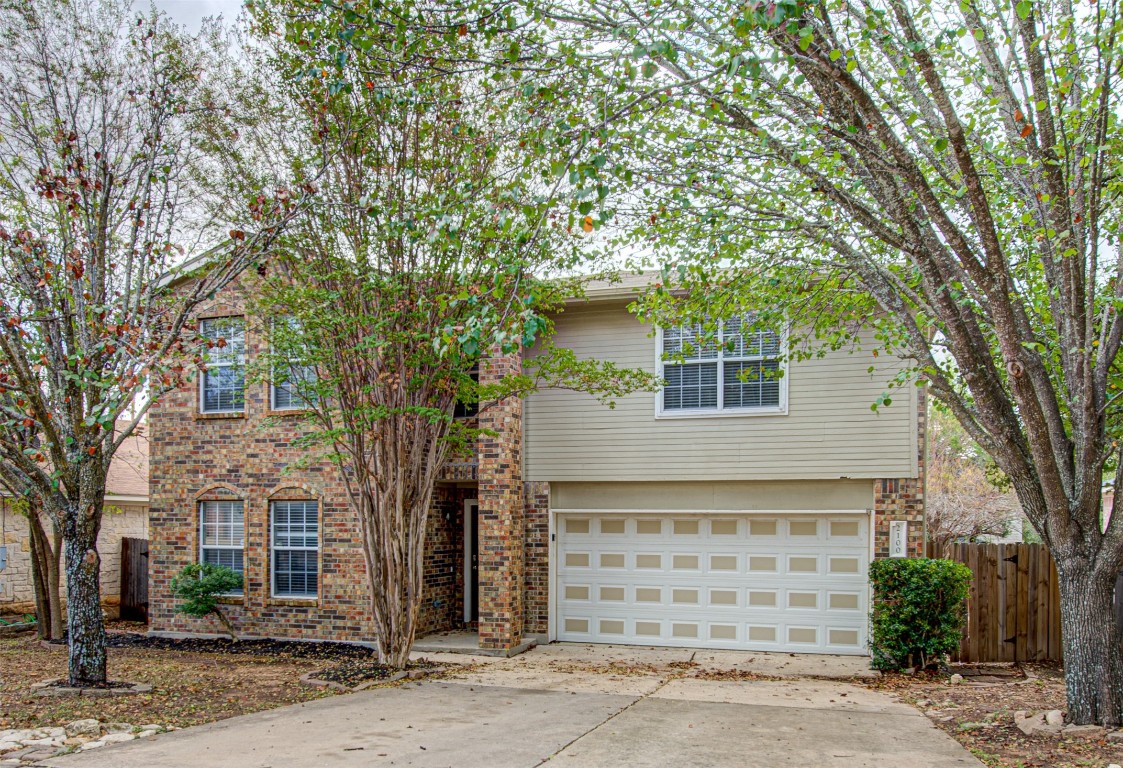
290 388
223 384
222 533
467 410
738 371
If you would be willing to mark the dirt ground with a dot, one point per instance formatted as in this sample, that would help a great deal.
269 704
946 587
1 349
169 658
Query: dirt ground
979 713
188 687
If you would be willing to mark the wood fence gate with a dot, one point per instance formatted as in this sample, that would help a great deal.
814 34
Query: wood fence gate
134 579
1013 611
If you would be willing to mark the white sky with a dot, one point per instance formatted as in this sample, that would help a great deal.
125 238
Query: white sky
191 12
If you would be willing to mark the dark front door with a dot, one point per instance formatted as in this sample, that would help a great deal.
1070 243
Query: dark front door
472 509
134 579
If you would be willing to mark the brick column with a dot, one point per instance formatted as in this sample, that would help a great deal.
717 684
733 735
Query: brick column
536 511
902 498
501 512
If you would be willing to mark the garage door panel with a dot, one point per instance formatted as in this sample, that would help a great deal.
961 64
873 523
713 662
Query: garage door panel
768 582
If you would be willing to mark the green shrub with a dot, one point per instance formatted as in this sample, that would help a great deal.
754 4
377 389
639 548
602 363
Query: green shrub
918 610
200 585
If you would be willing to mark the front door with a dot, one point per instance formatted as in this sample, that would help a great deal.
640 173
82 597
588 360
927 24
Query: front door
471 561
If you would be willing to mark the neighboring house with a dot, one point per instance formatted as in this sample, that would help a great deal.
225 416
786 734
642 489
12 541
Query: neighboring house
713 514
126 516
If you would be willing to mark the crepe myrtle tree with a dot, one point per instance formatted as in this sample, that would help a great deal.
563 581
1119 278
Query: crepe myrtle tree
946 176
425 253
116 135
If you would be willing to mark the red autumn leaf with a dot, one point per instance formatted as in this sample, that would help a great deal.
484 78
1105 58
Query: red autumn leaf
1018 116
1027 130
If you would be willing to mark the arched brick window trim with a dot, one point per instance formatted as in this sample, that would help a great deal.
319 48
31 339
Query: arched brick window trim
220 492
294 492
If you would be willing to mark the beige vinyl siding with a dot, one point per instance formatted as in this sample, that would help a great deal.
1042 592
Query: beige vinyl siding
828 432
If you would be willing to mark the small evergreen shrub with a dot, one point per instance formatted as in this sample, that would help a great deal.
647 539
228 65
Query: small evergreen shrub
200 585
919 606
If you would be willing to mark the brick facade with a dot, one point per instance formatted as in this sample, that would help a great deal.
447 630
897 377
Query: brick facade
501 511
536 518
902 498
250 456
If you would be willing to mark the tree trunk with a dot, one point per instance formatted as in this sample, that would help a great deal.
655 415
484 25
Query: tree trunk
54 584
1093 659
225 621
36 545
394 545
83 595
46 552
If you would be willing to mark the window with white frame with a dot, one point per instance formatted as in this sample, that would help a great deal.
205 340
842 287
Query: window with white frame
296 548
290 386
738 369
222 533
223 384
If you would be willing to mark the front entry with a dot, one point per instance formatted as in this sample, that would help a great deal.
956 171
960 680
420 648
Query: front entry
471 561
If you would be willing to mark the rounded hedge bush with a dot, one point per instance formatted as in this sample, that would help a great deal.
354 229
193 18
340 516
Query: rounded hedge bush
919 607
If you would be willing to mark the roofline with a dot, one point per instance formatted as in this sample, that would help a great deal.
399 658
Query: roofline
127 499
183 271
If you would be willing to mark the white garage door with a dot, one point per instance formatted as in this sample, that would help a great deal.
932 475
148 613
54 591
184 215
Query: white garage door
756 582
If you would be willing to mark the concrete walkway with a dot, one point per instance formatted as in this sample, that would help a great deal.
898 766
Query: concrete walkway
574 706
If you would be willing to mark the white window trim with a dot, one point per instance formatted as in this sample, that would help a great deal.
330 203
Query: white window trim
273 549
273 392
273 399
203 546
203 374
709 413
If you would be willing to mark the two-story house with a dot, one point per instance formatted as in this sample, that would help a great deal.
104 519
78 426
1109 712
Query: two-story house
732 509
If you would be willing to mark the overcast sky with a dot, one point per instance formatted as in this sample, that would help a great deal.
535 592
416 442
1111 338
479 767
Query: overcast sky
191 12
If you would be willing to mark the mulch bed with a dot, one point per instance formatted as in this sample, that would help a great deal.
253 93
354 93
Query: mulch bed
292 649
979 714
355 672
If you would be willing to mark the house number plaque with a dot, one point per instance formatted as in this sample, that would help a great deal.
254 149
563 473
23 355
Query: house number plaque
898 538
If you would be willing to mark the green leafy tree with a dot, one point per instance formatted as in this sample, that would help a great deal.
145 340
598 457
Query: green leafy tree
201 587
118 148
427 251
941 182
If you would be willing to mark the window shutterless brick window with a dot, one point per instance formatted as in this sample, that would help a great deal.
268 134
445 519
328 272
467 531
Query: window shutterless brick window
222 386
290 385
222 533
295 529
739 370
289 389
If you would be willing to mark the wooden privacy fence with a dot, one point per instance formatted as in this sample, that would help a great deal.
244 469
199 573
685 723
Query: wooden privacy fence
1013 611
134 579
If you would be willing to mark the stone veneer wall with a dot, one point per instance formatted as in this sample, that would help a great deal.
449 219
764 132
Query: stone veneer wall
250 456
902 498
17 593
536 517
501 512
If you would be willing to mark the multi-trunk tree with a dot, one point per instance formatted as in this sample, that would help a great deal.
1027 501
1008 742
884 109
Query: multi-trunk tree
428 250
117 137
947 175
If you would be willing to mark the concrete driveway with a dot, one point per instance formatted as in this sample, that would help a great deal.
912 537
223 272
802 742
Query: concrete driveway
573 706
